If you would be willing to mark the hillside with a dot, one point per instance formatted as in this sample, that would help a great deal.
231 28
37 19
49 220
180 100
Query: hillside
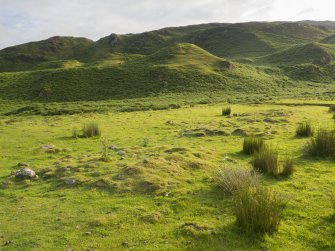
181 68
26 56
222 59
232 41
313 53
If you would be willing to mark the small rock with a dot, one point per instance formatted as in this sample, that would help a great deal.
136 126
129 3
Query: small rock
48 147
235 114
25 173
88 233
70 181
188 242
239 132
8 242
113 147
66 169
121 152
125 244
23 164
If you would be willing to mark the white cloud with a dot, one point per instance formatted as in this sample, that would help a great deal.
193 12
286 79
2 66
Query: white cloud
29 20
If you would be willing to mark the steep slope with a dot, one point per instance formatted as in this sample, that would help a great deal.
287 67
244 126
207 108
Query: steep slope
256 39
180 68
27 56
232 41
329 40
313 53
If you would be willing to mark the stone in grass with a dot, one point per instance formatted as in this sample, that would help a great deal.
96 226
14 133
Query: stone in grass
239 132
25 173
48 147
125 244
8 242
121 152
70 182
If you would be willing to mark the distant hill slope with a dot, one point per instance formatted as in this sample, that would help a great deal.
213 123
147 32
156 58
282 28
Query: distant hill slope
222 59
329 40
26 56
180 68
314 53
232 41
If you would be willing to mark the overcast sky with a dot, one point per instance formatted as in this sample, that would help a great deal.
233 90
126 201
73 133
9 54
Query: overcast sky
30 20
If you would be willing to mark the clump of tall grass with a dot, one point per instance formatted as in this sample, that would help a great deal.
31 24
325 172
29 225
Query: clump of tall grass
253 145
105 153
91 130
234 179
258 209
322 145
288 167
226 111
332 108
146 142
304 129
266 161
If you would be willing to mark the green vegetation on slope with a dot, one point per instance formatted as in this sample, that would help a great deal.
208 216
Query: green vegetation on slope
181 68
27 56
312 53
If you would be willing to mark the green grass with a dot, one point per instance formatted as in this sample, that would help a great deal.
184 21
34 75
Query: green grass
258 210
266 161
253 145
304 129
159 197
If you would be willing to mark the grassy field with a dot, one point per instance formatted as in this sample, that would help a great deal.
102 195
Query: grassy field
158 189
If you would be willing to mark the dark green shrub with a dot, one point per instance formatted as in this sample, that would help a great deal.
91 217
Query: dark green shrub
304 129
234 179
91 130
332 108
226 111
266 161
258 209
322 145
253 145
288 167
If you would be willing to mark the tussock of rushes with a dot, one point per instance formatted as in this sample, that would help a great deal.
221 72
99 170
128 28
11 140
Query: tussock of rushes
258 209
253 145
322 145
304 129
236 178
288 167
91 130
226 111
266 161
